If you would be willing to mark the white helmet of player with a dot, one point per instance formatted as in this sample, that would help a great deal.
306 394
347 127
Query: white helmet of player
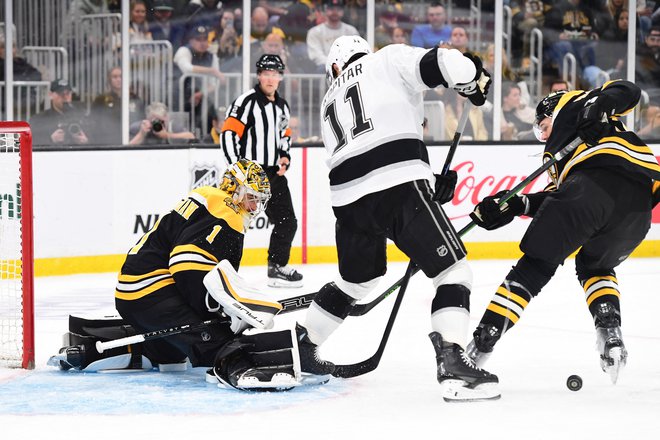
342 50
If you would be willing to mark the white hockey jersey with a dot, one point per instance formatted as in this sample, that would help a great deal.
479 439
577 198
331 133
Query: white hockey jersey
372 117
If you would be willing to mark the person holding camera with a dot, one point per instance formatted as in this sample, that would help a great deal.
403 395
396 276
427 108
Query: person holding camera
63 123
156 128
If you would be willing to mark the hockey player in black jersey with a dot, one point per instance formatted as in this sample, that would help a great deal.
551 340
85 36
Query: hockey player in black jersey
599 202
382 186
183 273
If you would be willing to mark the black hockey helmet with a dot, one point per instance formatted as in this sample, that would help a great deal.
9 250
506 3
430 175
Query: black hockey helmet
270 62
547 105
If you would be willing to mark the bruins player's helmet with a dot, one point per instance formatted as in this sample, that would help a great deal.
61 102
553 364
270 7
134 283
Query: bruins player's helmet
545 108
341 52
248 185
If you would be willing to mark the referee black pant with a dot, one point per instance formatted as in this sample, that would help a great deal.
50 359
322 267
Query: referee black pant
280 213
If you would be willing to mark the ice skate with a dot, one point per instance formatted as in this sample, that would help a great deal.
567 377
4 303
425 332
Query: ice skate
283 276
481 346
609 341
460 378
309 357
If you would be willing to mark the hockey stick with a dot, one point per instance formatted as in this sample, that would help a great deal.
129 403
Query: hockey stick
370 364
513 191
288 305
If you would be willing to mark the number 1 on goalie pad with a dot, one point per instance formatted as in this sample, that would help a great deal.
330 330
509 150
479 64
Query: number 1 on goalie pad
245 304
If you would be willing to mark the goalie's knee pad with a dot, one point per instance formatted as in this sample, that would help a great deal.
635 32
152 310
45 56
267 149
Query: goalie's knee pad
458 273
237 299
260 361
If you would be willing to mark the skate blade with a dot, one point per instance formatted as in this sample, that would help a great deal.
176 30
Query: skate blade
276 282
458 391
618 361
314 379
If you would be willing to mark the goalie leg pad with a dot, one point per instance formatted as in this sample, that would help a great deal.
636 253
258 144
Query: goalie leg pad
79 350
261 361
238 299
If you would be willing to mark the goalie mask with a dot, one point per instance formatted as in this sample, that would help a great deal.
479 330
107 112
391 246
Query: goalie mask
545 109
248 185
341 52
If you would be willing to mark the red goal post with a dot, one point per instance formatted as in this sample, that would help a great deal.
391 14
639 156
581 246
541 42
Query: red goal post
16 247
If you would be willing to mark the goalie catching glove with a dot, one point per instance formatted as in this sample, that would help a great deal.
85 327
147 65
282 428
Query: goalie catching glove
491 214
477 89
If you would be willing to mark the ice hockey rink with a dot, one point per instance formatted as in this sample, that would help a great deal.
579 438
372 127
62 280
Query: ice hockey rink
554 339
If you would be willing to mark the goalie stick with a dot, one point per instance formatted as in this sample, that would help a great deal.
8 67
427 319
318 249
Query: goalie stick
370 364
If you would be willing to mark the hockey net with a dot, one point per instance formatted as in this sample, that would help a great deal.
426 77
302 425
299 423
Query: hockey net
16 248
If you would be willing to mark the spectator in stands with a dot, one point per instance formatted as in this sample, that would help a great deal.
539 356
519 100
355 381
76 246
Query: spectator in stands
459 39
296 136
558 85
163 27
261 26
610 53
196 58
489 64
64 123
454 104
400 36
647 73
299 18
106 110
355 14
139 29
528 15
214 135
515 114
571 29
22 71
321 37
223 39
202 13
387 22
435 32
157 129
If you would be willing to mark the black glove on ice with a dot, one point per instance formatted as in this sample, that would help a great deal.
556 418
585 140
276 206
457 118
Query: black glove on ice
444 187
489 215
477 89
592 122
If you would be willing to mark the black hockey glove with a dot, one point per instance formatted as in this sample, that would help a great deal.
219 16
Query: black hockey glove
592 122
477 89
444 187
489 215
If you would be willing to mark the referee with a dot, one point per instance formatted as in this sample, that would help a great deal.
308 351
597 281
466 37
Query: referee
257 128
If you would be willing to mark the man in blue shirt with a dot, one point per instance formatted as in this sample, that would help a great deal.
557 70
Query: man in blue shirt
429 35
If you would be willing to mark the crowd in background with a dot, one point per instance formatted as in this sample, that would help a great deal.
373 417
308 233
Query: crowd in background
207 39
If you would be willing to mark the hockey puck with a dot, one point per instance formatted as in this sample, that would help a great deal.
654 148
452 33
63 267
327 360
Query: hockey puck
574 382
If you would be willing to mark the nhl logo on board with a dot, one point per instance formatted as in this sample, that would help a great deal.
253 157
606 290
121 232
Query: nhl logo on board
204 175
442 250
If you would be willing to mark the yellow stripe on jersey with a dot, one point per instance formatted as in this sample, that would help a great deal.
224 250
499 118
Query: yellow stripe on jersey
134 278
191 248
189 265
602 292
591 281
220 205
130 296
512 296
508 314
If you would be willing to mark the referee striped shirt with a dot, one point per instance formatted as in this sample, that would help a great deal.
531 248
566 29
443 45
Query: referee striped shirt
257 129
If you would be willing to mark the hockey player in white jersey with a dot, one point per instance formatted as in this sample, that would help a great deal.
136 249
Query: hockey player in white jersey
382 186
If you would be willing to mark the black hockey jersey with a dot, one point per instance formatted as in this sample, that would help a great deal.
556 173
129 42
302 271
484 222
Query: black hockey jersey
620 148
183 246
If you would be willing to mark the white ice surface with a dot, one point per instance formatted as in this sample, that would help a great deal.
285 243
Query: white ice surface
555 338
